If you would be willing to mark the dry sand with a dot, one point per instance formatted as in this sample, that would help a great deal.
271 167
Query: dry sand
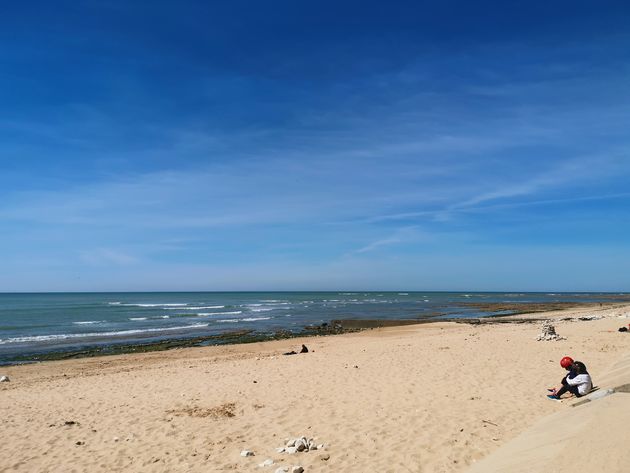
426 398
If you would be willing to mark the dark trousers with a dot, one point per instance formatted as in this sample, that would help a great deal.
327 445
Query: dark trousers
566 387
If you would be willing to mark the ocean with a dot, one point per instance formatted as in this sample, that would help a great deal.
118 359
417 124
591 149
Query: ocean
35 324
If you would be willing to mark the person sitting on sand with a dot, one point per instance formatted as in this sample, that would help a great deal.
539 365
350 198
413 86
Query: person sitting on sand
293 352
567 363
578 382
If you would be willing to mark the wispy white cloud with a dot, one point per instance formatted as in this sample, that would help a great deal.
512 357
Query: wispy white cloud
107 257
378 244
533 186
570 172
404 235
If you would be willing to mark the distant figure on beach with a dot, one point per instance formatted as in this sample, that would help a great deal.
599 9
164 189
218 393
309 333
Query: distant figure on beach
293 352
578 382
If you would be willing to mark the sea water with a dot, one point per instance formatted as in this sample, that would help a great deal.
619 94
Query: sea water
44 322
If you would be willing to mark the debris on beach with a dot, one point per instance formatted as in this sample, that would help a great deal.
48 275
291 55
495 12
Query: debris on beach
4 379
584 318
247 453
227 409
300 444
549 333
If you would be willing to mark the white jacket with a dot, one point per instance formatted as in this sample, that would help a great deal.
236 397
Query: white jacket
583 383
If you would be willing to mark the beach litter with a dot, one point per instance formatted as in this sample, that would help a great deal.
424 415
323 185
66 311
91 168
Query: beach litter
549 333
300 444
4 379
226 410
247 453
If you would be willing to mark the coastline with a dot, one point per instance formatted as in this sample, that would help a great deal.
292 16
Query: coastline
429 397
497 311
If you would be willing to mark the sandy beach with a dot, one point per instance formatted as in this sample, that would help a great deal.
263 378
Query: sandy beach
424 398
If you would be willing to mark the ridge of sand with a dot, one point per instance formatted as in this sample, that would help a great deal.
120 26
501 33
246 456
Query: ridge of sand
593 436
427 398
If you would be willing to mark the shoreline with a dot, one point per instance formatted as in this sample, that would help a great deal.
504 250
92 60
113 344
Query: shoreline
496 311
430 398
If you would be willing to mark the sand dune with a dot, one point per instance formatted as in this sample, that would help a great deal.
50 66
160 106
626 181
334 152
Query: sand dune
591 437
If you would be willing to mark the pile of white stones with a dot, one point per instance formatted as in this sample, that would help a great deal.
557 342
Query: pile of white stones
549 333
300 444
4 379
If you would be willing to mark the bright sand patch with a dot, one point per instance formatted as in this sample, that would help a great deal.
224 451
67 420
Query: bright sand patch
426 398
591 437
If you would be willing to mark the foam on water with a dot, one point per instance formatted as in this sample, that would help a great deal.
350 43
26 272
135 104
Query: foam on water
89 322
196 307
153 305
63 336
137 318
204 314
249 319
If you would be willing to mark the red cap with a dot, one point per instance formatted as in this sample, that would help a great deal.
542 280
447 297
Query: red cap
566 362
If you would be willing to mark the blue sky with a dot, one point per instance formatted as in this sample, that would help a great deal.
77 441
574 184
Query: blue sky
324 146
